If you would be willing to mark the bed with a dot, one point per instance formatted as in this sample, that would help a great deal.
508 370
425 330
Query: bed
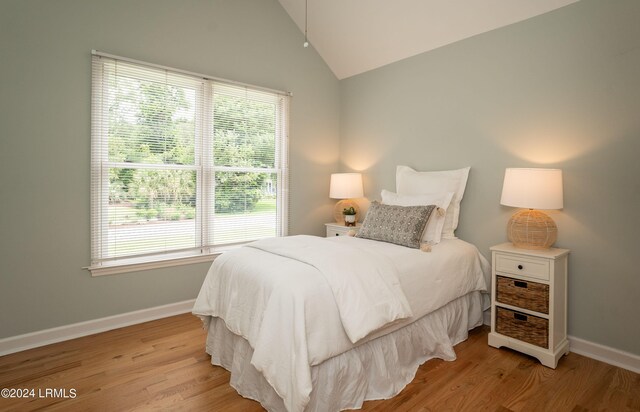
305 323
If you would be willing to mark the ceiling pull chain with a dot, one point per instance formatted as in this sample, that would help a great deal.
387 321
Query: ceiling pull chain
306 42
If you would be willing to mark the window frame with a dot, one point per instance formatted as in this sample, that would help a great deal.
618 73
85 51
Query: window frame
205 250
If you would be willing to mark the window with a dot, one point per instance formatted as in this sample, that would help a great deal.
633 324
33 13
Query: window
182 165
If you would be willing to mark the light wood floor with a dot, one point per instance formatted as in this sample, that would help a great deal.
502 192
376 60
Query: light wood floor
162 365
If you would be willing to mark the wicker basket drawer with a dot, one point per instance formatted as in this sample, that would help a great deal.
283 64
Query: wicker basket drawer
523 294
524 266
527 328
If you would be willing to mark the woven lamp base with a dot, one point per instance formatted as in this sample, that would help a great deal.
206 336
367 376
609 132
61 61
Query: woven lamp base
532 229
344 204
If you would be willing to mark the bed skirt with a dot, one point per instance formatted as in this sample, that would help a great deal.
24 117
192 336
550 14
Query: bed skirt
377 369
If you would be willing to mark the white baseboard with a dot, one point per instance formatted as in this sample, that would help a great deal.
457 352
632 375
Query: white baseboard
45 337
31 340
605 354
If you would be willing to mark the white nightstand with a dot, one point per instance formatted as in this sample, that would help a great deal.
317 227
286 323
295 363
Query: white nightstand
339 229
529 301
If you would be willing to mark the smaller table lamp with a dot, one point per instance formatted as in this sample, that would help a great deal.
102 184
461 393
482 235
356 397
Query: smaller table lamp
532 189
345 186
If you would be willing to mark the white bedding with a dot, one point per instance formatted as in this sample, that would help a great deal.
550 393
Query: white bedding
369 298
287 313
377 369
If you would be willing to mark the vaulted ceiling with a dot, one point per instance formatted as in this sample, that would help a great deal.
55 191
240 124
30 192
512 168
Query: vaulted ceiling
354 36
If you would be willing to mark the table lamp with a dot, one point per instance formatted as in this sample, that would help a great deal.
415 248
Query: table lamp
532 189
345 186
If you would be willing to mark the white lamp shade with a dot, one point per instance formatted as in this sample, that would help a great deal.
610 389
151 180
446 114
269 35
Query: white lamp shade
532 188
346 186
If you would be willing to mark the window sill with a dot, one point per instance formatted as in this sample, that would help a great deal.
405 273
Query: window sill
135 265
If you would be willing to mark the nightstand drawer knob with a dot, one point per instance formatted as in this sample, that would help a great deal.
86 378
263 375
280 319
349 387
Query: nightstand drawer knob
519 316
520 267
337 234
520 284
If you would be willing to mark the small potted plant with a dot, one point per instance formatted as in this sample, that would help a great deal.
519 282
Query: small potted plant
349 216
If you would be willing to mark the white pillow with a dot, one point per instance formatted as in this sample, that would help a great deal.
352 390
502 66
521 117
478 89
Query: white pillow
433 231
411 182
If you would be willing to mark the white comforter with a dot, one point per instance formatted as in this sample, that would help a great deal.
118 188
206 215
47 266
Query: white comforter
288 312
367 299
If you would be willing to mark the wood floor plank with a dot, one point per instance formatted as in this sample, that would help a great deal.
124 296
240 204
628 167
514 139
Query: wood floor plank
161 365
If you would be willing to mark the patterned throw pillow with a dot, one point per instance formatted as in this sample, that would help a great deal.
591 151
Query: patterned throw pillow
402 225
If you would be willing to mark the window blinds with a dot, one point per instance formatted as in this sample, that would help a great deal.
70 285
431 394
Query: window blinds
182 165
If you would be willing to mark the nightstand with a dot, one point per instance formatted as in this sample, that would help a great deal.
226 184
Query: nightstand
339 229
529 301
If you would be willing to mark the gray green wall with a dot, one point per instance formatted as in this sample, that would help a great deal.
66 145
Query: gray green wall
559 90
45 83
